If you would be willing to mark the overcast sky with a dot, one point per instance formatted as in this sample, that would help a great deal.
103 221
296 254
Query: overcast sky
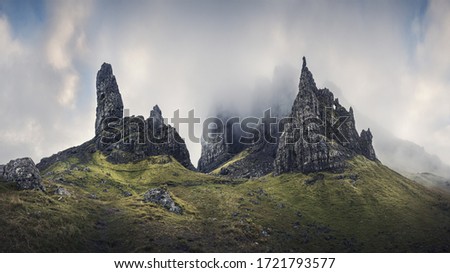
390 60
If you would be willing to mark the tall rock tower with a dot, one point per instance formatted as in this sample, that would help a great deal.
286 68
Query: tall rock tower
321 133
109 100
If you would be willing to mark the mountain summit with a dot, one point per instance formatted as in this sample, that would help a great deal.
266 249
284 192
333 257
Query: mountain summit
321 133
318 135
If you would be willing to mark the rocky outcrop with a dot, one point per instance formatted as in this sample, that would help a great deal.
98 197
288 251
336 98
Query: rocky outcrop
162 197
213 155
258 159
141 138
109 100
62 191
23 173
124 139
257 163
134 138
365 142
2 170
222 146
321 133
156 117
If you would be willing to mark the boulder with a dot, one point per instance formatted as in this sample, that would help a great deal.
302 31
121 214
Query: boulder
62 191
162 197
24 173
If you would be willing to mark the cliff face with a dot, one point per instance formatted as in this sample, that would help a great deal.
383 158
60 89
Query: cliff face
226 146
222 146
321 133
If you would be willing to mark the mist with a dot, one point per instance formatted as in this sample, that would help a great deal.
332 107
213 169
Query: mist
388 59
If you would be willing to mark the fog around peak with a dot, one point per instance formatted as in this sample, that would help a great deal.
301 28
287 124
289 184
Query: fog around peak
389 59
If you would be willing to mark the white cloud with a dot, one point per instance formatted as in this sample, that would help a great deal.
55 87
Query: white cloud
66 39
39 92
9 47
427 117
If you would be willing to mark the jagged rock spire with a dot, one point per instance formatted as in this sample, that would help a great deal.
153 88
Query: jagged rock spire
312 141
109 100
156 112
306 78
365 142
156 116
133 138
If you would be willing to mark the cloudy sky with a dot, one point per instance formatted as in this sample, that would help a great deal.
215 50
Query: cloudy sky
390 60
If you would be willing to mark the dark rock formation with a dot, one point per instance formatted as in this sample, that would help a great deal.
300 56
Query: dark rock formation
2 170
82 152
220 148
258 159
365 142
156 117
162 197
257 162
24 173
124 139
141 138
109 100
321 133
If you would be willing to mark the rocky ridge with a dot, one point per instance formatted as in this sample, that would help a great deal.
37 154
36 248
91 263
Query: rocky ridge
124 139
317 146
319 134
324 132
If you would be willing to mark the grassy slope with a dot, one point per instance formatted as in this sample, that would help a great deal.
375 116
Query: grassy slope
234 159
380 211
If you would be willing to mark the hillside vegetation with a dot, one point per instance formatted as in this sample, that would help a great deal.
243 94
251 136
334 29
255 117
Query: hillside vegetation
367 208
